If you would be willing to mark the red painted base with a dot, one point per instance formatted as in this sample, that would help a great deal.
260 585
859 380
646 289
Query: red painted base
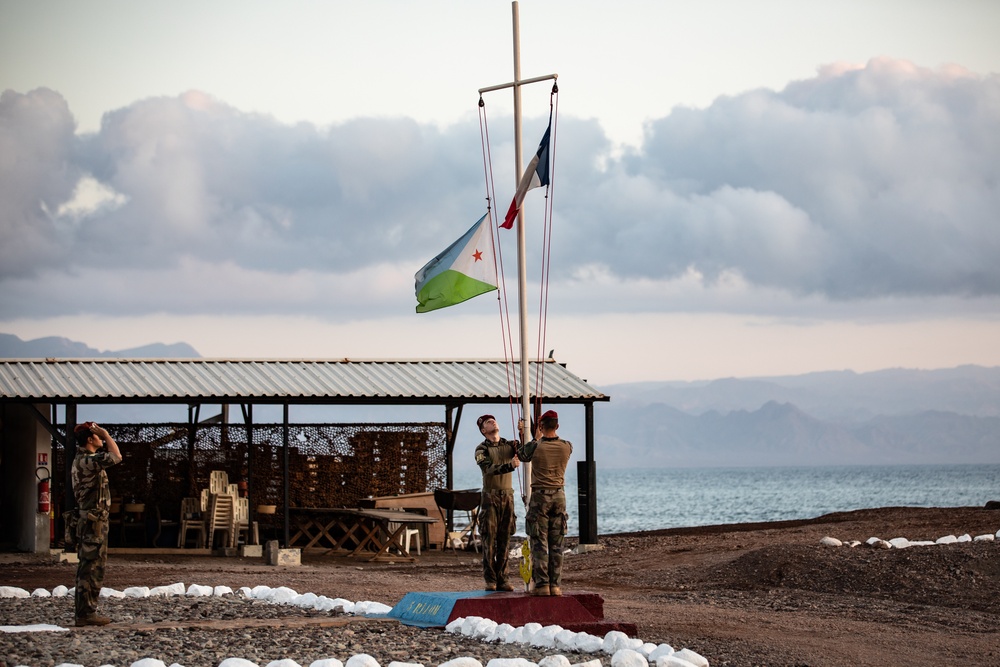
576 611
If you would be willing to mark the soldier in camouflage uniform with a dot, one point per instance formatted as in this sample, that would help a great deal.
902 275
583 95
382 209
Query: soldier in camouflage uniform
546 518
93 500
497 458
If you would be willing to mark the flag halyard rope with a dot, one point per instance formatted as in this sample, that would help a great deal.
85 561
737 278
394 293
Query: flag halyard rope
502 299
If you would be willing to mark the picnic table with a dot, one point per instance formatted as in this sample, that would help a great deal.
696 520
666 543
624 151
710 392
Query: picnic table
354 531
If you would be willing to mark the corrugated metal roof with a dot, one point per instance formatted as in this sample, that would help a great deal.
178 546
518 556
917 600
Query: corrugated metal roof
293 381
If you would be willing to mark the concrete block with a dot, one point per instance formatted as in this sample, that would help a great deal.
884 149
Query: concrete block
587 548
273 555
42 528
252 551
271 548
291 557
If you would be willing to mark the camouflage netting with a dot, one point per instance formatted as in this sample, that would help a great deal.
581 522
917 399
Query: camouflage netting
330 465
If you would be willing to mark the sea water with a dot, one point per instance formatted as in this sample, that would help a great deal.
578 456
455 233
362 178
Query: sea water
649 499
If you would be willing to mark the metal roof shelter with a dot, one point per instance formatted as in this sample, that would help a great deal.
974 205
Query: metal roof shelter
195 382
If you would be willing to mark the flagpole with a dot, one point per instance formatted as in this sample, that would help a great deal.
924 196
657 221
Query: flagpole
522 270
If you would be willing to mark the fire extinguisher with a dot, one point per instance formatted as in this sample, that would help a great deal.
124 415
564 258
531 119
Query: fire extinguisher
44 497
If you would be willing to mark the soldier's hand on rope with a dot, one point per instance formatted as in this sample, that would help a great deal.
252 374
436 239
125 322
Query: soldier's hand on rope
515 462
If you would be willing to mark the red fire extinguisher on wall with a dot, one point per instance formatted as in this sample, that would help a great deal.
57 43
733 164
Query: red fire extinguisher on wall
44 496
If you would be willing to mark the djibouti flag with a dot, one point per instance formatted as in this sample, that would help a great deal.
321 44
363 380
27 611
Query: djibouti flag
464 270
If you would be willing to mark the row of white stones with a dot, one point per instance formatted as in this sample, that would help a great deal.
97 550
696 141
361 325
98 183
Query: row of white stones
625 651
903 543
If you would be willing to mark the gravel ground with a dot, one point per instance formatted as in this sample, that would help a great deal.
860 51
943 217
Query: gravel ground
206 635
740 595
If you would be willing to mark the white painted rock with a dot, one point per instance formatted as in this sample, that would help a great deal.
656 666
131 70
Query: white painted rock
626 657
947 539
13 592
831 542
462 662
554 661
510 662
237 662
361 660
546 637
661 651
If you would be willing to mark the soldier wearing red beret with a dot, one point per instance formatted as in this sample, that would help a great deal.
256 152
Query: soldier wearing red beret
497 459
546 517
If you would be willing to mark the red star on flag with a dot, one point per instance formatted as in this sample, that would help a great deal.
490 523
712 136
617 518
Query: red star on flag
478 255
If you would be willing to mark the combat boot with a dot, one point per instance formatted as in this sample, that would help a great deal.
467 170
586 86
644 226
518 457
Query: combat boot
555 590
490 586
92 619
541 591
504 586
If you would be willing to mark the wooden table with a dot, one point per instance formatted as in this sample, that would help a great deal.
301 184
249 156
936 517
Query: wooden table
357 531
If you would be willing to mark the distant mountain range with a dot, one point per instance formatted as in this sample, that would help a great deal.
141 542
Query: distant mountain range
894 416
12 347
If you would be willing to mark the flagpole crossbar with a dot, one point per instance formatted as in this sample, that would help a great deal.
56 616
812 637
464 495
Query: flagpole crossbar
522 82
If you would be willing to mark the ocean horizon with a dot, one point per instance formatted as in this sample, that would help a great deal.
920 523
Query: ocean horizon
645 499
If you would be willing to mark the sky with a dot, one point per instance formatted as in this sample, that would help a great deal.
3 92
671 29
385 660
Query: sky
739 189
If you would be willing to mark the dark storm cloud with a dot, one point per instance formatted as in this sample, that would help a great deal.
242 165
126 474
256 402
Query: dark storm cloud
855 184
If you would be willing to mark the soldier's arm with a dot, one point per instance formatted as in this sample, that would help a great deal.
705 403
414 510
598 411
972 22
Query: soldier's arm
115 453
527 451
485 463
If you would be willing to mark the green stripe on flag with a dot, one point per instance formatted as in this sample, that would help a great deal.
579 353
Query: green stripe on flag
448 288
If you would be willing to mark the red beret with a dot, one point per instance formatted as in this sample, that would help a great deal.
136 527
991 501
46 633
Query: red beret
85 426
481 420
550 414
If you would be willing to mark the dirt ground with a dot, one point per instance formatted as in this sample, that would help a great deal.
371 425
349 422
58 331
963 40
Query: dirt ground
743 594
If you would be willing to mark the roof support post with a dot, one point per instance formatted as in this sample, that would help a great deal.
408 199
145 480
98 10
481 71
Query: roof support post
247 409
586 481
284 446
451 435
194 412
69 452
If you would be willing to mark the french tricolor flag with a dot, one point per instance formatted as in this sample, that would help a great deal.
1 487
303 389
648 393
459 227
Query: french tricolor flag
536 175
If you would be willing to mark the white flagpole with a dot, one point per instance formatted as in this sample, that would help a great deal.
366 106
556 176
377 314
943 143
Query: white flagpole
522 271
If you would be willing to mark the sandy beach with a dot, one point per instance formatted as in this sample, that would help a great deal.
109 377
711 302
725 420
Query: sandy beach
742 594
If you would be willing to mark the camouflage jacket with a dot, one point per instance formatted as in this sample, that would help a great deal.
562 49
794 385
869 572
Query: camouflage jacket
90 481
494 459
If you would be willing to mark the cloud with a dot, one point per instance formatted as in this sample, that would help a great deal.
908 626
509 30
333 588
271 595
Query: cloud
860 184
37 174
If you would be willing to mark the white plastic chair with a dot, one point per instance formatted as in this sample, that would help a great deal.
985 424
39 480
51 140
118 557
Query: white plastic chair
404 537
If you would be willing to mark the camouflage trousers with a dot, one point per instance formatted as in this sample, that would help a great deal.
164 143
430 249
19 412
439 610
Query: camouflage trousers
496 524
92 551
546 521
